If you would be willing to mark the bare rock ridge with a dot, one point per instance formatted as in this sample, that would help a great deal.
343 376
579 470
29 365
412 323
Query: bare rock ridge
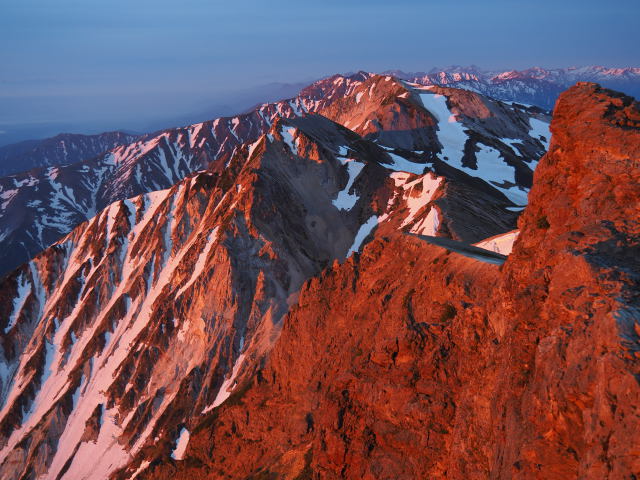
124 335
39 207
266 316
408 361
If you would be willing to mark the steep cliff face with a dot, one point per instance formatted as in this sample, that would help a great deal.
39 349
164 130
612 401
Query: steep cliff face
574 283
409 361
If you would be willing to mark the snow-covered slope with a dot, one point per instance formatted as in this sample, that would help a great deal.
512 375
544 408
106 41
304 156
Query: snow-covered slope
38 207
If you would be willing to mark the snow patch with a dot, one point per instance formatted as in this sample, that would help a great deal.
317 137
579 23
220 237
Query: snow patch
401 164
514 143
24 289
363 232
201 261
346 200
418 194
112 213
184 329
540 131
143 466
253 147
502 244
7 196
36 406
227 386
450 132
343 151
288 137
94 460
194 131
517 104
491 167
428 225
181 445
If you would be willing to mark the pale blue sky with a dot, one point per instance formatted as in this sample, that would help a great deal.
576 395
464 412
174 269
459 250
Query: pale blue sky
123 62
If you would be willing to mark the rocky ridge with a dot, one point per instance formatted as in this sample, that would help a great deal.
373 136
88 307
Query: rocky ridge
38 207
427 364
62 149
210 267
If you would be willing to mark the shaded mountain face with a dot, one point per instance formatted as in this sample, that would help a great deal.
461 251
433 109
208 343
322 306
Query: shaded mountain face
171 290
485 139
120 339
408 361
40 206
534 86
62 149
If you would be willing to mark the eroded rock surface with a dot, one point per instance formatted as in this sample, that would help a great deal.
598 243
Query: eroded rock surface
408 361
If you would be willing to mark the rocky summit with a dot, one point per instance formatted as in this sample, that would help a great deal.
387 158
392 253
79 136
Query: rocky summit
377 279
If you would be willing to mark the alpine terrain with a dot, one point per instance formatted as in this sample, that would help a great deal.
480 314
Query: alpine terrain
379 278
40 206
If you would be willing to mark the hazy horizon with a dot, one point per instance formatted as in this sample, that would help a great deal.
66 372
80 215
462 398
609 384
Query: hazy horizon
126 65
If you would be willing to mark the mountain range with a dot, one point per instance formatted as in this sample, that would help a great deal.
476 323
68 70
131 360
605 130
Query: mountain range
60 150
535 86
42 205
382 277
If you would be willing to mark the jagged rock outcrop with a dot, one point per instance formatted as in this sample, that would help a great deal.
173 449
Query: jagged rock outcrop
409 361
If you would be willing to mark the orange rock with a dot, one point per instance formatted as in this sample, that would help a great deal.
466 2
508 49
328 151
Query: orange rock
412 362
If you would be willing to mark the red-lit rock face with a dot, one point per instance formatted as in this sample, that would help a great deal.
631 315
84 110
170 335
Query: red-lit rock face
411 362
223 328
126 333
